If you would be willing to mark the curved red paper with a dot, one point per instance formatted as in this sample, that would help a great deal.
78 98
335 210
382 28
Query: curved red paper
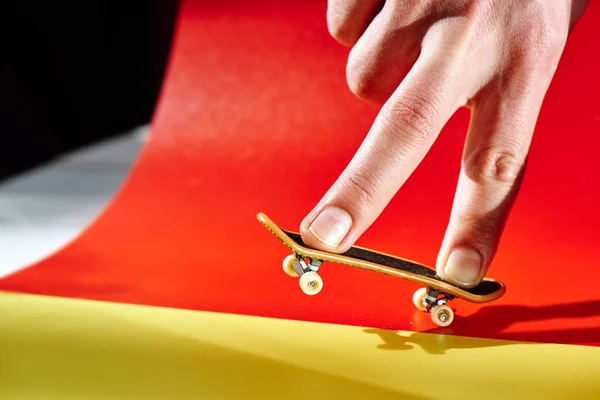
256 116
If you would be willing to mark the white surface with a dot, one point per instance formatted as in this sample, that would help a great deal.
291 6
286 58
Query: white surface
43 210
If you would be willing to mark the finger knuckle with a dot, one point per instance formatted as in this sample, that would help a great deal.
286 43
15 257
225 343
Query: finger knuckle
483 232
415 114
340 28
540 37
482 225
362 189
494 164
541 44
362 81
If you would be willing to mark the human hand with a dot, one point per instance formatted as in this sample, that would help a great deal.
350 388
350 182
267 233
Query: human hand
425 59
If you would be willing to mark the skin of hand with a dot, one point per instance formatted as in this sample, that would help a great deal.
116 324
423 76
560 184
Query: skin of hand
423 60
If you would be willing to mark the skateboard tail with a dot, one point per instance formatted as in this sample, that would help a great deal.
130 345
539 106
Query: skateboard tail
264 220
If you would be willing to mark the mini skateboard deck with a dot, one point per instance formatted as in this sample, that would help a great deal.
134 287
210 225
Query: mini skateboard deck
433 298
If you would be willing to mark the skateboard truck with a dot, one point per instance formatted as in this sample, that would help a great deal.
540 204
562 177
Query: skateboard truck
310 282
434 301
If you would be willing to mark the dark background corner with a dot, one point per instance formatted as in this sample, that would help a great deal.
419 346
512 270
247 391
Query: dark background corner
74 73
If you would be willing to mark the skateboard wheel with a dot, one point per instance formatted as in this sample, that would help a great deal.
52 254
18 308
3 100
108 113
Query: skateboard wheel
311 283
287 265
442 315
418 298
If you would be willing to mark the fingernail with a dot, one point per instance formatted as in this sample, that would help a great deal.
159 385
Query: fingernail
463 266
331 226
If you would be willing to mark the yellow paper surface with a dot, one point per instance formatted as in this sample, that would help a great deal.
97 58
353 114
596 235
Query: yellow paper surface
57 348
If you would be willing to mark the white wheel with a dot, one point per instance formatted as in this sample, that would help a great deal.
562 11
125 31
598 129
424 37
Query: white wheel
287 265
418 298
442 315
311 283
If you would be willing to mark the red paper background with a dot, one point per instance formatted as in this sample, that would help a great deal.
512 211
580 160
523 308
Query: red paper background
255 116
